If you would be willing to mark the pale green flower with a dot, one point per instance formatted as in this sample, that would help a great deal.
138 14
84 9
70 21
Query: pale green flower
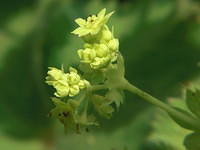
66 84
113 44
87 55
100 62
55 74
93 24
107 35
99 55
73 78
58 79
100 48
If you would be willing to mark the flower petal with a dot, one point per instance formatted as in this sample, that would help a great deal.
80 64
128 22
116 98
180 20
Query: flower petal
80 31
108 16
80 21
102 13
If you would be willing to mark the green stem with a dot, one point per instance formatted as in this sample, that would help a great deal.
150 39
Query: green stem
97 87
181 116
131 88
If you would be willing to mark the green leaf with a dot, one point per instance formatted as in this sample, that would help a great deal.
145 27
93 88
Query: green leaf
193 101
183 123
191 141
166 134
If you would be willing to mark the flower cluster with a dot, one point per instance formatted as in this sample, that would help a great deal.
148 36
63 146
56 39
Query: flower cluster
66 84
101 47
101 59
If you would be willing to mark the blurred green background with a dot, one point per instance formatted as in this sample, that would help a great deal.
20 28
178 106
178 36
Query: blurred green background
159 39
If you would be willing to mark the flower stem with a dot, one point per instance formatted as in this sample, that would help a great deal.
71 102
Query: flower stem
181 116
98 87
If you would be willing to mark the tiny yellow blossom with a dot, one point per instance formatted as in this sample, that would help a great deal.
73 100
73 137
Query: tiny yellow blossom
113 44
55 74
58 80
93 24
87 55
99 55
100 62
66 84
106 35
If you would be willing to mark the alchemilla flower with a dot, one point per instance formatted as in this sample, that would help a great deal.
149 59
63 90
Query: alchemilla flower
93 24
66 84
98 55
101 47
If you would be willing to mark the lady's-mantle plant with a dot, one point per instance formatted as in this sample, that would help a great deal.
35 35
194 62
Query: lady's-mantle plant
97 88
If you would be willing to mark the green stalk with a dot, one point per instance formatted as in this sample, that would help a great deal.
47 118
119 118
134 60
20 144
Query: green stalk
181 116
97 87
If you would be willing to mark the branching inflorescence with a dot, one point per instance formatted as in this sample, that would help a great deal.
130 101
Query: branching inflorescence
77 95
98 88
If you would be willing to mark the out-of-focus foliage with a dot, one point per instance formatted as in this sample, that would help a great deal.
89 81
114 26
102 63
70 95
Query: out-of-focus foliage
166 134
8 144
192 141
160 42
130 137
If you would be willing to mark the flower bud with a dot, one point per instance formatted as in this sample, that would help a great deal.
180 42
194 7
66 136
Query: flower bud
83 84
87 55
73 77
106 35
113 44
102 50
74 90
55 74
61 90
100 62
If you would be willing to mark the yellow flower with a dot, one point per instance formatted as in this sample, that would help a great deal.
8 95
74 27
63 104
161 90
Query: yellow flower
66 84
113 44
107 35
87 55
58 80
93 24
97 55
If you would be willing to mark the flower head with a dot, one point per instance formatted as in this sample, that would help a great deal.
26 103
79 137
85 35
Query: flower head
102 64
99 55
65 83
93 24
